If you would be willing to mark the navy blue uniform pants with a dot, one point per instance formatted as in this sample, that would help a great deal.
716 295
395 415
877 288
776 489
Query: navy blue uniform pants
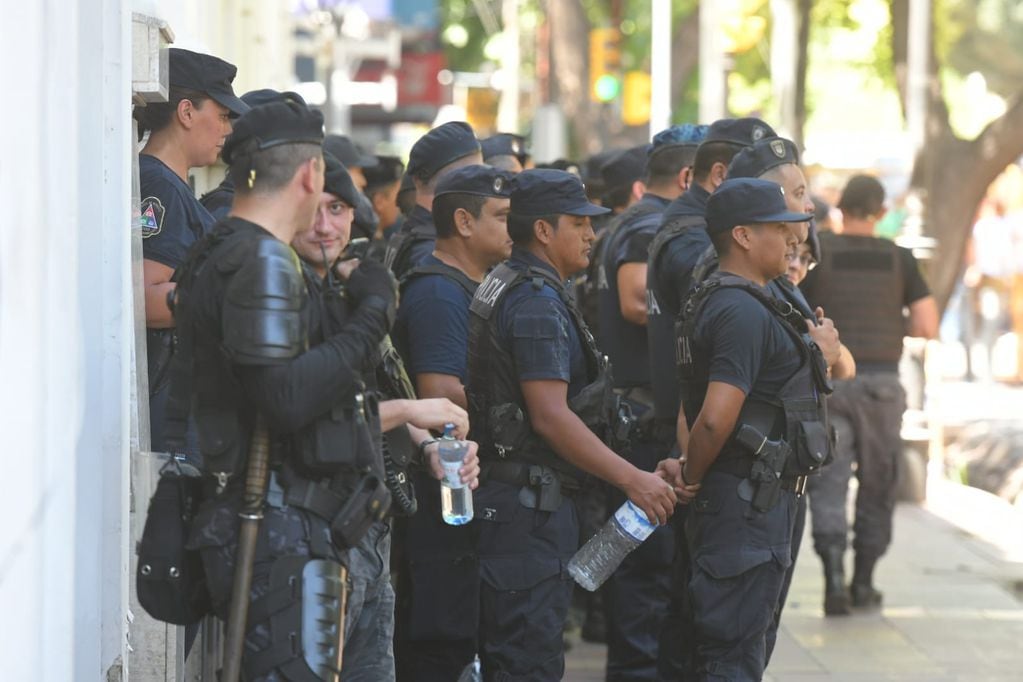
438 592
638 593
738 561
525 589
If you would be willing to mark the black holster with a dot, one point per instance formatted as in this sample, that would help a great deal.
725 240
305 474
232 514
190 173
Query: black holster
347 436
368 503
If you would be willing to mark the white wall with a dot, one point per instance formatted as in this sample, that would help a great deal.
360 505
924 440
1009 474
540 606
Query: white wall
65 301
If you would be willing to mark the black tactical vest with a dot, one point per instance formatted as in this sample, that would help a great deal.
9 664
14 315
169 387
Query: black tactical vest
625 342
399 248
662 308
797 414
446 271
497 409
859 283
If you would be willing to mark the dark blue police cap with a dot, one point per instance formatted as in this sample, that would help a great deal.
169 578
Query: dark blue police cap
205 73
544 191
347 152
388 170
762 156
275 124
625 167
256 98
738 131
504 144
682 135
338 182
443 145
482 181
748 201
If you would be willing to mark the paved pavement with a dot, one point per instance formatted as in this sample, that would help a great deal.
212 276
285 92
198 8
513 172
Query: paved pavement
953 584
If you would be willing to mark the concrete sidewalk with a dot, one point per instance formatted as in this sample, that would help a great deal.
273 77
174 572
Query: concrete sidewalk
953 584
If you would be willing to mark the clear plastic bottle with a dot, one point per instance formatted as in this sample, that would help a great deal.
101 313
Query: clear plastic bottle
598 558
455 496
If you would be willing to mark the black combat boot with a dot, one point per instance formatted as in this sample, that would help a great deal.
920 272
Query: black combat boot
862 591
836 598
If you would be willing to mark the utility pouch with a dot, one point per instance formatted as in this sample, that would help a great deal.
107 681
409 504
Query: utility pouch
347 436
543 492
811 449
169 580
508 428
369 503
220 441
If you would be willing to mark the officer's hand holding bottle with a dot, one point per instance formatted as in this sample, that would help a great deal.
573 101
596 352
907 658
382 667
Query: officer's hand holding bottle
652 494
433 414
470 470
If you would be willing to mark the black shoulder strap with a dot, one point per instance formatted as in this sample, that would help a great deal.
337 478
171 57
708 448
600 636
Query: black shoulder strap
496 284
596 359
671 229
453 274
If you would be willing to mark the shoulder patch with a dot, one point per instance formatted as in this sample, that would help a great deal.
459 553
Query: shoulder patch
151 217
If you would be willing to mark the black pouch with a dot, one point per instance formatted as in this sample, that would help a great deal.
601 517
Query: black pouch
220 440
170 582
347 436
508 428
811 449
368 503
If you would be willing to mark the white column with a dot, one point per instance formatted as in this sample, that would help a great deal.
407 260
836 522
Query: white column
712 63
784 37
917 75
65 304
660 66
508 107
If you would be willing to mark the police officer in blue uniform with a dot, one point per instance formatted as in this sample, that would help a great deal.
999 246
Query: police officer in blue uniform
636 596
539 402
185 132
753 399
439 590
437 153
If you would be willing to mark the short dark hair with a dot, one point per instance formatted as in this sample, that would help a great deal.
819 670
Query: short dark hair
710 153
665 165
444 208
722 241
616 197
273 168
156 116
863 196
520 227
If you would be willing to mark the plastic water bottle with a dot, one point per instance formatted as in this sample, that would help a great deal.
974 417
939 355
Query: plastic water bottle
455 496
598 559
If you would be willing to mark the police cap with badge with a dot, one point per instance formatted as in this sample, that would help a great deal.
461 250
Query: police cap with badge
477 180
544 191
740 132
763 155
505 144
749 201
443 145
205 73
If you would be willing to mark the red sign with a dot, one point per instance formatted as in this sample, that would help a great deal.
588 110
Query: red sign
417 79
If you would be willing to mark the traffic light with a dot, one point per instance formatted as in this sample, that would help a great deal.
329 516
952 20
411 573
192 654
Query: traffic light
605 64
636 98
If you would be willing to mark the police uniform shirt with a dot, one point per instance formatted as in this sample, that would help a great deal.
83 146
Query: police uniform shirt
539 330
745 344
432 328
171 217
675 267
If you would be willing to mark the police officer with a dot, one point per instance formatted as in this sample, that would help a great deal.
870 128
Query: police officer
218 200
538 397
752 398
383 182
439 595
259 354
864 282
506 151
185 132
437 153
369 623
637 594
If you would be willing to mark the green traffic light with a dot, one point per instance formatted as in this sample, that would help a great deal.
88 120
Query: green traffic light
607 87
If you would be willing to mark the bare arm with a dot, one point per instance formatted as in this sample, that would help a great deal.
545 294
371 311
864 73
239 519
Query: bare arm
632 292
432 413
712 428
845 368
156 279
923 318
551 418
433 385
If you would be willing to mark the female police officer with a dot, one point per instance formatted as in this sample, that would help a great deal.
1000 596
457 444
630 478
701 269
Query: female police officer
185 132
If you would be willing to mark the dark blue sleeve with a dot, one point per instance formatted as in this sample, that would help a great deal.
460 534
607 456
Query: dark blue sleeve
736 329
637 247
436 328
171 223
540 340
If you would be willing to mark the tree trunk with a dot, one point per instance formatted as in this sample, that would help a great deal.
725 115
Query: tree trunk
802 62
570 73
685 55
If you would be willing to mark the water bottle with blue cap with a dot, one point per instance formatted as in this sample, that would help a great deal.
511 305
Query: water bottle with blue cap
598 559
455 496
